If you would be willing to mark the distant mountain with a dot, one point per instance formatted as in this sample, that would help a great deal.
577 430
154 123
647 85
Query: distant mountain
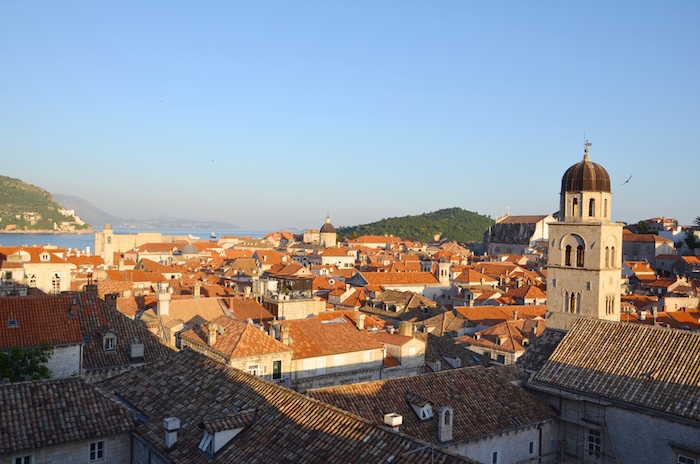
99 218
451 224
87 211
27 208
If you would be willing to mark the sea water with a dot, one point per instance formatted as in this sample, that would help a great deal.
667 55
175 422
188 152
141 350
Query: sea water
82 241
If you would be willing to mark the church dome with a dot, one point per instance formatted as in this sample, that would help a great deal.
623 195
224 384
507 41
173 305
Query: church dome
327 228
189 249
586 176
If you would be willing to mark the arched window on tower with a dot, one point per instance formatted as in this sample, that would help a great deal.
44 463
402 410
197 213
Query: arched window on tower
572 303
613 263
607 256
574 207
109 240
567 255
591 207
605 208
579 256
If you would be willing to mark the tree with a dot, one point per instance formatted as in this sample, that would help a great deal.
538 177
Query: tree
692 241
697 221
643 227
28 364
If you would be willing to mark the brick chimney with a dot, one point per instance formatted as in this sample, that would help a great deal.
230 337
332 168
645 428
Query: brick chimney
212 328
171 425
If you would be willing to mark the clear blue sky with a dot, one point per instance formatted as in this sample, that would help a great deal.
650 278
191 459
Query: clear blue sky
270 114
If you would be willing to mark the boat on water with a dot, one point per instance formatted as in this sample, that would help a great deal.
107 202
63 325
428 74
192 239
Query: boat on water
192 237
213 235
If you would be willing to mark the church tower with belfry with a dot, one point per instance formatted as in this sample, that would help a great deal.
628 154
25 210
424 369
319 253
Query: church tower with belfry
585 250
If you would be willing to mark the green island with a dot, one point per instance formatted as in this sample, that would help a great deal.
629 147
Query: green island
450 224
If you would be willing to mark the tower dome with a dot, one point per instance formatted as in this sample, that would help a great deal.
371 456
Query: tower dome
586 176
327 228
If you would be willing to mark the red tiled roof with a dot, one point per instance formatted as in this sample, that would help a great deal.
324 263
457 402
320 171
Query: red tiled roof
239 339
39 320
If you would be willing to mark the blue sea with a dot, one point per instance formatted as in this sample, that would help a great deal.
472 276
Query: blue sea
82 241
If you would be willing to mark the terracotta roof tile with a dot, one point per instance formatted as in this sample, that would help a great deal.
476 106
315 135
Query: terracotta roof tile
289 427
54 412
484 401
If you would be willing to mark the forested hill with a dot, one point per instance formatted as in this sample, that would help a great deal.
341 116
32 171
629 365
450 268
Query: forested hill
453 224
25 207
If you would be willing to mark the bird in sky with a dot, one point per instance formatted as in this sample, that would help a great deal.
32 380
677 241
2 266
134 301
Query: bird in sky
628 179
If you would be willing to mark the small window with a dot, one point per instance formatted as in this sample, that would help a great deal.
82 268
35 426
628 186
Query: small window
683 459
532 447
253 369
595 442
494 457
28 460
567 255
97 451
12 324
501 359
591 207
110 343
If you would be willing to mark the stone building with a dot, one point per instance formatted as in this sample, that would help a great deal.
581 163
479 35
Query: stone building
327 235
624 392
515 234
474 412
63 420
584 264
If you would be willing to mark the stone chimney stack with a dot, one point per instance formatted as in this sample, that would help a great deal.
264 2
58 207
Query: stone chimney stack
284 334
445 421
163 298
121 264
196 289
406 328
360 321
212 328
515 315
171 425
275 330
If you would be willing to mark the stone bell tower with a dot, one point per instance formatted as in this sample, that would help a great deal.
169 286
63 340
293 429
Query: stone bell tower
585 260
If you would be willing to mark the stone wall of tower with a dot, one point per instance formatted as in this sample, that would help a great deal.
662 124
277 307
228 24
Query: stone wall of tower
327 239
596 284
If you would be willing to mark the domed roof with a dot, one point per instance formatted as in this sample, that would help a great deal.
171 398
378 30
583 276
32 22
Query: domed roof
586 176
189 249
327 228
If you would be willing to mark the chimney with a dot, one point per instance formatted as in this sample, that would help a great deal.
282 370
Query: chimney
284 334
247 291
195 290
163 298
643 316
171 425
121 264
360 321
347 287
393 420
406 328
445 421
136 351
515 315
212 328
391 329
111 300
275 330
